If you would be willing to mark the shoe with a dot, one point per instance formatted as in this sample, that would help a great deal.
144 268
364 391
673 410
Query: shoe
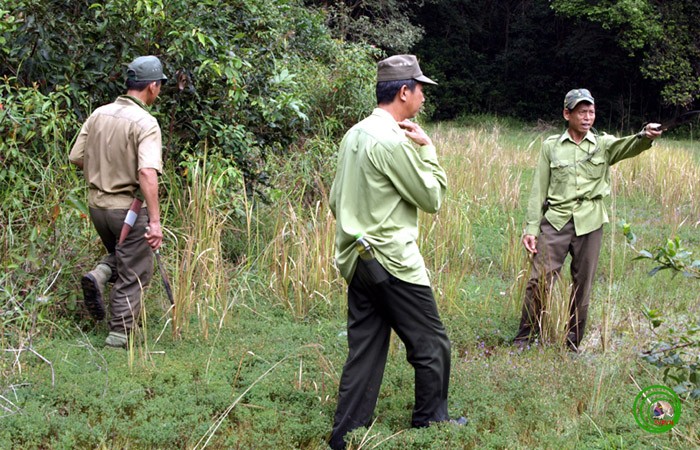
116 339
93 284
571 344
460 421
92 296
573 348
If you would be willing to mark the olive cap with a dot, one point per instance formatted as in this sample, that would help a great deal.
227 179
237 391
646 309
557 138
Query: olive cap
576 96
145 68
401 67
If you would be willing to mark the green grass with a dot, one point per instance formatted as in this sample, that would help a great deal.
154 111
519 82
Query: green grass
267 376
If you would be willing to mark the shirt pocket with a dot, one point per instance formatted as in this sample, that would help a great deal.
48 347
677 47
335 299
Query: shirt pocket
594 168
558 173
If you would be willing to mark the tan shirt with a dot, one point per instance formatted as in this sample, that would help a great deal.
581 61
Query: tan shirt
115 142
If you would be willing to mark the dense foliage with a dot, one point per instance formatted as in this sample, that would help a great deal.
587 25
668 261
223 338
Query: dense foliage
251 83
389 24
519 57
664 33
248 78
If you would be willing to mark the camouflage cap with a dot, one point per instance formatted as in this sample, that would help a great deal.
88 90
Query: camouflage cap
576 96
145 68
401 67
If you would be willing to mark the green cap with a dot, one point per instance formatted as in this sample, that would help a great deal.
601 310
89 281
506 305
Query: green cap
145 68
401 67
576 96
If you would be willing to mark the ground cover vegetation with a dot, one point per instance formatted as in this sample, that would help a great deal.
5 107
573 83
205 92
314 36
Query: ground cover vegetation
251 355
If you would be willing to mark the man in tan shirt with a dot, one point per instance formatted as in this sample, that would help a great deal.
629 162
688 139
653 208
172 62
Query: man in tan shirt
119 149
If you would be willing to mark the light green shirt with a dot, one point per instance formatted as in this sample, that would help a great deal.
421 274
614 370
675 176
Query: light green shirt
381 181
575 178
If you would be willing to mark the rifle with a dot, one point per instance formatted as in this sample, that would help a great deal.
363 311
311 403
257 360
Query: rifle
678 120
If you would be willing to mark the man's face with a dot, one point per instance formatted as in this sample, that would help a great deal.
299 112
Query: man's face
581 118
414 100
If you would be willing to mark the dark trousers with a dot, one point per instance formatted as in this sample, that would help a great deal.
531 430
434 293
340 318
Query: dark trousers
552 248
373 311
131 263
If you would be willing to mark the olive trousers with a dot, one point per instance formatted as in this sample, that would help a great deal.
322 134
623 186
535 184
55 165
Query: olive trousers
131 263
552 249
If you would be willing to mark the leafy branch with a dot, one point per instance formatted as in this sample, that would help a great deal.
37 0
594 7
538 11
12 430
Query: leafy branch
671 256
677 350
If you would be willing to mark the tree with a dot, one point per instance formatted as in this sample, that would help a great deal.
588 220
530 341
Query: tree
518 58
666 34
388 24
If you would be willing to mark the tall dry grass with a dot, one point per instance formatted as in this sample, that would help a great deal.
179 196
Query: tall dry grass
300 257
480 168
199 274
482 172
668 173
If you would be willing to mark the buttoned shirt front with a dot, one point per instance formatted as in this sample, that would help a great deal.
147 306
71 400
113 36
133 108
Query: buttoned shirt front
115 142
382 180
575 178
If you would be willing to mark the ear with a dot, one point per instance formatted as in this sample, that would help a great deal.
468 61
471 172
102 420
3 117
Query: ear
567 114
402 93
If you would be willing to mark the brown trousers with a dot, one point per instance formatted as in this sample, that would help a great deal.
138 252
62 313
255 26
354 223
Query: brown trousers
131 263
552 248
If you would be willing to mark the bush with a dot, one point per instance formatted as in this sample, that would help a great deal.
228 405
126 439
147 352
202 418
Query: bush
253 84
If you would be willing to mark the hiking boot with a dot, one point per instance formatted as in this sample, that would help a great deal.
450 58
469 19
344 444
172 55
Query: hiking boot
93 284
571 343
116 339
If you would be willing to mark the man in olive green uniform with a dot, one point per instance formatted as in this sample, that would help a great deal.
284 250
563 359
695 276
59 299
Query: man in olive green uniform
387 171
565 213
119 149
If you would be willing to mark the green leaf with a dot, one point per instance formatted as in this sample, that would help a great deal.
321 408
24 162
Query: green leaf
680 389
645 255
656 269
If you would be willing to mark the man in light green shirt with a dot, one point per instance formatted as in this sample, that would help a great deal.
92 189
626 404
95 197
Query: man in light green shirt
565 213
387 171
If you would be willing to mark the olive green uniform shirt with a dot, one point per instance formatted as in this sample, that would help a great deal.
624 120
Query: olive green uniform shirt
575 178
115 142
382 180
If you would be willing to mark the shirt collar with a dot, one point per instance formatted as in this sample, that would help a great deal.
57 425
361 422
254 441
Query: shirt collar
386 115
590 136
133 99
382 113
